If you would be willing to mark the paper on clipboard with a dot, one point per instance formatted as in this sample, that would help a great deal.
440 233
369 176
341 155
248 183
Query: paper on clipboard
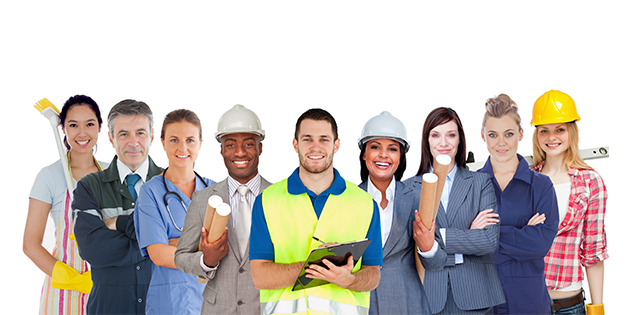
337 254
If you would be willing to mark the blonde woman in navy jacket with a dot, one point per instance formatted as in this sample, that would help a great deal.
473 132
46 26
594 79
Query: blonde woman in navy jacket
526 202
383 145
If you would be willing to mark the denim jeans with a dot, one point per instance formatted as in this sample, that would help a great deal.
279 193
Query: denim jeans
577 309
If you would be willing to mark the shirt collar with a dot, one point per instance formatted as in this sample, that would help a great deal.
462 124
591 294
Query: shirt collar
253 185
522 170
124 170
451 175
376 194
296 187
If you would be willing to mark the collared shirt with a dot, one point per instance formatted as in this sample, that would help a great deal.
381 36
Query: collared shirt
260 245
387 214
254 190
124 170
581 239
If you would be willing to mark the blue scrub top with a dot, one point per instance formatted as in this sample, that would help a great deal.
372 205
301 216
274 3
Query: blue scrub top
261 247
520 255
171 291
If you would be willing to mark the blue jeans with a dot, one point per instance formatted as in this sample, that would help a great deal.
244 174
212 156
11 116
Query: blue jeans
577 309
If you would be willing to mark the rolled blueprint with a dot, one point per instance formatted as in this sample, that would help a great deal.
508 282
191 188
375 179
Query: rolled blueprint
425 210
440 168
219 221
213 203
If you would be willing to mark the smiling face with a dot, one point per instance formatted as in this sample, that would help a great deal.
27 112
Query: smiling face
181 143
444 139
81 128
132 137
382 158
553 138
240 153
315 145
502 136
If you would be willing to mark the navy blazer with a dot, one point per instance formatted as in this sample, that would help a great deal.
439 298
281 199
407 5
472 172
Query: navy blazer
474 283
400 290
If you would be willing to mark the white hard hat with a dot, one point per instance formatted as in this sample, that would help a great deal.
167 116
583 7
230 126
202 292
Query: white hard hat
384 126
239 119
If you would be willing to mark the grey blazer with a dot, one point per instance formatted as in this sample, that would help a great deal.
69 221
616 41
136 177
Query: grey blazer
230 289
475 283
400 290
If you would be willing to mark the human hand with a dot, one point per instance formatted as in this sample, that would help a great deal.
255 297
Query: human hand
214 252
423 237
111 223
340 276
537 219
484 218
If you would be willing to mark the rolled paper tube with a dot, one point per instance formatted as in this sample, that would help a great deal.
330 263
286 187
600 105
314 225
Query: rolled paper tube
427 198
441 170
219 221
213 202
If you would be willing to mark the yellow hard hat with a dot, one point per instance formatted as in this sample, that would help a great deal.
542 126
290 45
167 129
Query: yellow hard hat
554 107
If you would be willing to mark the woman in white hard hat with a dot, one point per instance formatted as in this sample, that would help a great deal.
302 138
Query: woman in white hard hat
581 194
383 145
528 208
160 212
460 276
68 281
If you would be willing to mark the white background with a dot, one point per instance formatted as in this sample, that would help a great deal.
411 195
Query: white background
354 59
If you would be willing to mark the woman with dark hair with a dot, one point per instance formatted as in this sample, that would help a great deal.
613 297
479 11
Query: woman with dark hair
529 212
160 212
384 145
460 277
580 242
68 281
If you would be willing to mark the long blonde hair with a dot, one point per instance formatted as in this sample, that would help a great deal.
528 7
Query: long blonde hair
572 156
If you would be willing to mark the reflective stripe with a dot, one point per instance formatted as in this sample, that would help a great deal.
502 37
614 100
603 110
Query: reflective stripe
314 303
106 213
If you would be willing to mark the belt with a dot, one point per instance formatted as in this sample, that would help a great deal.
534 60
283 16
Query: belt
560 304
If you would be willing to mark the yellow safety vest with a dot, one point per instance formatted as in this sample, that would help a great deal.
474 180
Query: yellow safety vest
292 223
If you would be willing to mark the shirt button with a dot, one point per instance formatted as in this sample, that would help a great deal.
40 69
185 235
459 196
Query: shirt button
139 300
137 267
133 203
241 270
240 303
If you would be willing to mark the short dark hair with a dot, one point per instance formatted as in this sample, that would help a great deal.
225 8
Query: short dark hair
437 117
129 107
402 166
180 115
317 114
76 101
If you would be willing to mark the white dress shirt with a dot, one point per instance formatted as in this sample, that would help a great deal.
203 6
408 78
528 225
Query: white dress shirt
387 214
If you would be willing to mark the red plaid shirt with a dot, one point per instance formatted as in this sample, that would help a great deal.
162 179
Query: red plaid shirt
581 238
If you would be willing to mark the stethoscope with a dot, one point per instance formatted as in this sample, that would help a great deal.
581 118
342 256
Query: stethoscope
178 197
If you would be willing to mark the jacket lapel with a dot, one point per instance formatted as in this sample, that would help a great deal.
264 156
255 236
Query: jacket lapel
401 215
459 191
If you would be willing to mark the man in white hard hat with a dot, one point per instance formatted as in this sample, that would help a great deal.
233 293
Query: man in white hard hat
225 263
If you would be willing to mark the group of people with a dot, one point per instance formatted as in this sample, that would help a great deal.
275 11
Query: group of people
507 239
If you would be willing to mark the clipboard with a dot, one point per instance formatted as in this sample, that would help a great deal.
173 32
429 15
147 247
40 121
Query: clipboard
338 254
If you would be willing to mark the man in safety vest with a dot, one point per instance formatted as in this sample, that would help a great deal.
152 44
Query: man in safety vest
314 202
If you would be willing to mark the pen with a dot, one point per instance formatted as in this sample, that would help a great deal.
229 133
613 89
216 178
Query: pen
317 239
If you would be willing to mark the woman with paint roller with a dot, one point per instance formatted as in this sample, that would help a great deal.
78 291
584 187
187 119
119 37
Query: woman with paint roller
160 212
384 145
528 208
68 281
581 237
460 277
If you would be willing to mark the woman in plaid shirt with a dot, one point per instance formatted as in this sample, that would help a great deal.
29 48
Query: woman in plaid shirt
581 194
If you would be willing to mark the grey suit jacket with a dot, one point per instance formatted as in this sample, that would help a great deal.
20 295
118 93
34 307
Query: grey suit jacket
400 290
230 289
475 283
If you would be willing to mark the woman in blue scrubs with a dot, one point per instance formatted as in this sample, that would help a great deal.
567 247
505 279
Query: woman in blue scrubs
160 212
528 210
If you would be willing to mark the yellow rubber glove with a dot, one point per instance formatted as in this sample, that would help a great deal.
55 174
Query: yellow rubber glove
67 278
71 236
597 309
